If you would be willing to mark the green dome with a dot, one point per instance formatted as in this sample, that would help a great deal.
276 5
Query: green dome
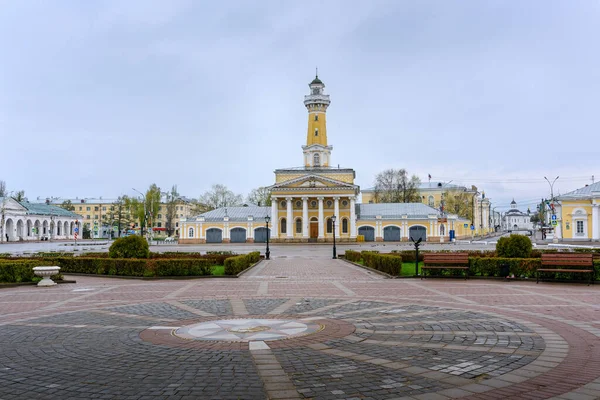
316 81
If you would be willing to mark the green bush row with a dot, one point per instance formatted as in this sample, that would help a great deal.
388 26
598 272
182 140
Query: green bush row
137 267
352 255
235 265
389 263
15 271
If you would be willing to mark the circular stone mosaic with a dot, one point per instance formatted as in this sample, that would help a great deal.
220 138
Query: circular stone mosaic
247 330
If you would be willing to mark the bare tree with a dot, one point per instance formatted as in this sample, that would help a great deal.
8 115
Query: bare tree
3 192
67 205
219 197
394 186
458 202
20 196
118 215
260 196
173 201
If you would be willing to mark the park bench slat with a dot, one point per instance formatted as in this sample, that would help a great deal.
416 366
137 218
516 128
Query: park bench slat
566 261
457 261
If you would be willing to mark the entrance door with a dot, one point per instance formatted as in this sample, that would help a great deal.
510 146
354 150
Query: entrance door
314 230
368 232
417 232
238 235
391 234
260 235
214 235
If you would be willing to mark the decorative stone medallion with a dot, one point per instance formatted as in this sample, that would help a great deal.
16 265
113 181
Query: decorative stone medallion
247 330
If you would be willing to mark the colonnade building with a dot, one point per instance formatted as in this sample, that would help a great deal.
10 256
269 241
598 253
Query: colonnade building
305 199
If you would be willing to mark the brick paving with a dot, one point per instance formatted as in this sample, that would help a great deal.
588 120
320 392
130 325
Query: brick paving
380 338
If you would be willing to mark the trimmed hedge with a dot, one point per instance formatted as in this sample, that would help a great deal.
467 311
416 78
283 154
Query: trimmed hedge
520 267
15 271
389 263
352 255
235 265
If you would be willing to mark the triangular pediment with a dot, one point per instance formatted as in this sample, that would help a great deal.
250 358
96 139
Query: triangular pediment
313 181
9 204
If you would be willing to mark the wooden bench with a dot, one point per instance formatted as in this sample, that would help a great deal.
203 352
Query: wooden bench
446 261
567 262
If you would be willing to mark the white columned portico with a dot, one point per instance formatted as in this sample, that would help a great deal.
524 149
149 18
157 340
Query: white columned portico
321 218
289 218
274 218
336 212
305 221
595 222
352 218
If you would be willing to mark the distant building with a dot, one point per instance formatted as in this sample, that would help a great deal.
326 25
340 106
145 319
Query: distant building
578 213
95 211
516 220
24 221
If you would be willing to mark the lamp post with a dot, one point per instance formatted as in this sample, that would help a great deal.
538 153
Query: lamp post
333 226
145 216
555 239
267 252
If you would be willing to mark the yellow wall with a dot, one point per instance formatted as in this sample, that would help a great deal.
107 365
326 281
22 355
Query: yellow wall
568 209
320 124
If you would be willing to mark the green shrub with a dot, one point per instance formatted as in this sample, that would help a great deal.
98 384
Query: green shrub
181 267
389 263
352 255
16 271
133 246
235 265
514 246
491 266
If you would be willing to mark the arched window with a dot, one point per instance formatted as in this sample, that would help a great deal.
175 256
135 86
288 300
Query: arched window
283 225
345 225
329 225
442 230
316 117
316 160
316 131
191 232
431 202
299 225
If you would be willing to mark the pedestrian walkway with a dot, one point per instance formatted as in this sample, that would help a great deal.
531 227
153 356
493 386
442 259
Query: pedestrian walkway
296 328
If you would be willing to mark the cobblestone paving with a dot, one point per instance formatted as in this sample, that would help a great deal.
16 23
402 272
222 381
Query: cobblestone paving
158 310
309 304
398 339
263 306
216 307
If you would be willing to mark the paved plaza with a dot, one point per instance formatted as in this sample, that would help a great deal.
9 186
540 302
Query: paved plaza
300 327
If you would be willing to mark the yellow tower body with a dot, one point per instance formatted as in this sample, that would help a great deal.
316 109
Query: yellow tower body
316 152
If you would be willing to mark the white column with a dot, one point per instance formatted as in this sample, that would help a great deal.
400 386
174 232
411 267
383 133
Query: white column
274 218
321 218
305 221
289 218
595 222
352 218
336 212
199 230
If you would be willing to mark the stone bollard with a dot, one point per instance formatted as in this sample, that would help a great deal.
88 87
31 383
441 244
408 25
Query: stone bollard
46 273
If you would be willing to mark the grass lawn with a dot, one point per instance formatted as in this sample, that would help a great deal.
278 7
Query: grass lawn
218 270
408 269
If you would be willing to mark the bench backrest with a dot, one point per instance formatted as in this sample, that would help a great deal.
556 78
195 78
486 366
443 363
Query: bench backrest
567 259
454 258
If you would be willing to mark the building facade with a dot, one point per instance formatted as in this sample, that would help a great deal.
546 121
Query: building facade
97 215
24 221
578 214
305 200
516 220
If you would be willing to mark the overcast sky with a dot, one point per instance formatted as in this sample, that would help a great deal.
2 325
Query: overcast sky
99 97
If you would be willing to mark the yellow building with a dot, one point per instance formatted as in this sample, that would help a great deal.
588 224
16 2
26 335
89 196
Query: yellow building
578 214
305 199
94 212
